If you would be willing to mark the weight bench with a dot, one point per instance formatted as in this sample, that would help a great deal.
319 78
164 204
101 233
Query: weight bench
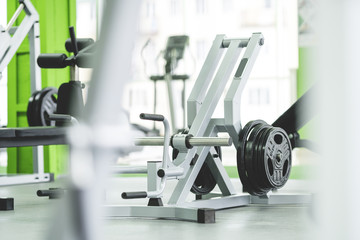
32 136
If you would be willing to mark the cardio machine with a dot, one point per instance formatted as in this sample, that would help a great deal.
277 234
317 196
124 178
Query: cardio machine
173 53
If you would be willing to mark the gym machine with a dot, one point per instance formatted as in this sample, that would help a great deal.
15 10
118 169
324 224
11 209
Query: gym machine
96 151
44 108
263 151
175 48
11 38
63 107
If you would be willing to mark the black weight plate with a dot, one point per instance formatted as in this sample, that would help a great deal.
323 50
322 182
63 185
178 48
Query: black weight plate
37 106
241 166
41 103
251 162
48 106
258 162
264 157
30 112
205 181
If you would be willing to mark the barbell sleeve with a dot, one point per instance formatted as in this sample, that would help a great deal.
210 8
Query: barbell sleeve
194 141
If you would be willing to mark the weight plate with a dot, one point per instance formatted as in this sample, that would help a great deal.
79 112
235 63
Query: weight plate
257 162
204 182
30 113
241 166
48 106
41 104
277 158
263 157
251 163
259 159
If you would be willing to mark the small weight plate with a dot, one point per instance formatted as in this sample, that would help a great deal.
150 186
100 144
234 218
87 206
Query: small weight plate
32 108
41 104
47 107
205 181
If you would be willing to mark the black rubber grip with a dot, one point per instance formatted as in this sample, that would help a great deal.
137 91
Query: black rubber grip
44 193
131 195
173 77
73 40
60 117
52 60
81 44
154 117
161 173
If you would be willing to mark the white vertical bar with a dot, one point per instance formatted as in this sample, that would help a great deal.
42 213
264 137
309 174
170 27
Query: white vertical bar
168 81
339 71
198 91
92 148
153 181
34 49
38 159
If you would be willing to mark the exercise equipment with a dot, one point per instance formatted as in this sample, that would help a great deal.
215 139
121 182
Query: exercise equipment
6 204
41 105
11 38
263 151
65 105
263 157
173 53
52 193
298 114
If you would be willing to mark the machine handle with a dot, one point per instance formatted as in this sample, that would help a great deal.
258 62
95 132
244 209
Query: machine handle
131 195
52 193
73 40
43 193
81 44
52 60
154 117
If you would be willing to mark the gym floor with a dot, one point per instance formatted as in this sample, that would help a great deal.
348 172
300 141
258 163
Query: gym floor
32 215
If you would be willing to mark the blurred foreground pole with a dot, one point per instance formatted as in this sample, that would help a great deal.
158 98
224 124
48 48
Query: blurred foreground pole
339 73
104 134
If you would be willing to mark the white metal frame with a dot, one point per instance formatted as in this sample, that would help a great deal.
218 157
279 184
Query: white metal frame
11 38
220 63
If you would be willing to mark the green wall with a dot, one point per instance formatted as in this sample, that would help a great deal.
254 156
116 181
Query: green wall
55 18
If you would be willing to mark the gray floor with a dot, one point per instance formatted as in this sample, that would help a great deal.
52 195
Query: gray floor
32 214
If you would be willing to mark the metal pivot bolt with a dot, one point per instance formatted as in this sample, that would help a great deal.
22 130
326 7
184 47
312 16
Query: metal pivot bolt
261 41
